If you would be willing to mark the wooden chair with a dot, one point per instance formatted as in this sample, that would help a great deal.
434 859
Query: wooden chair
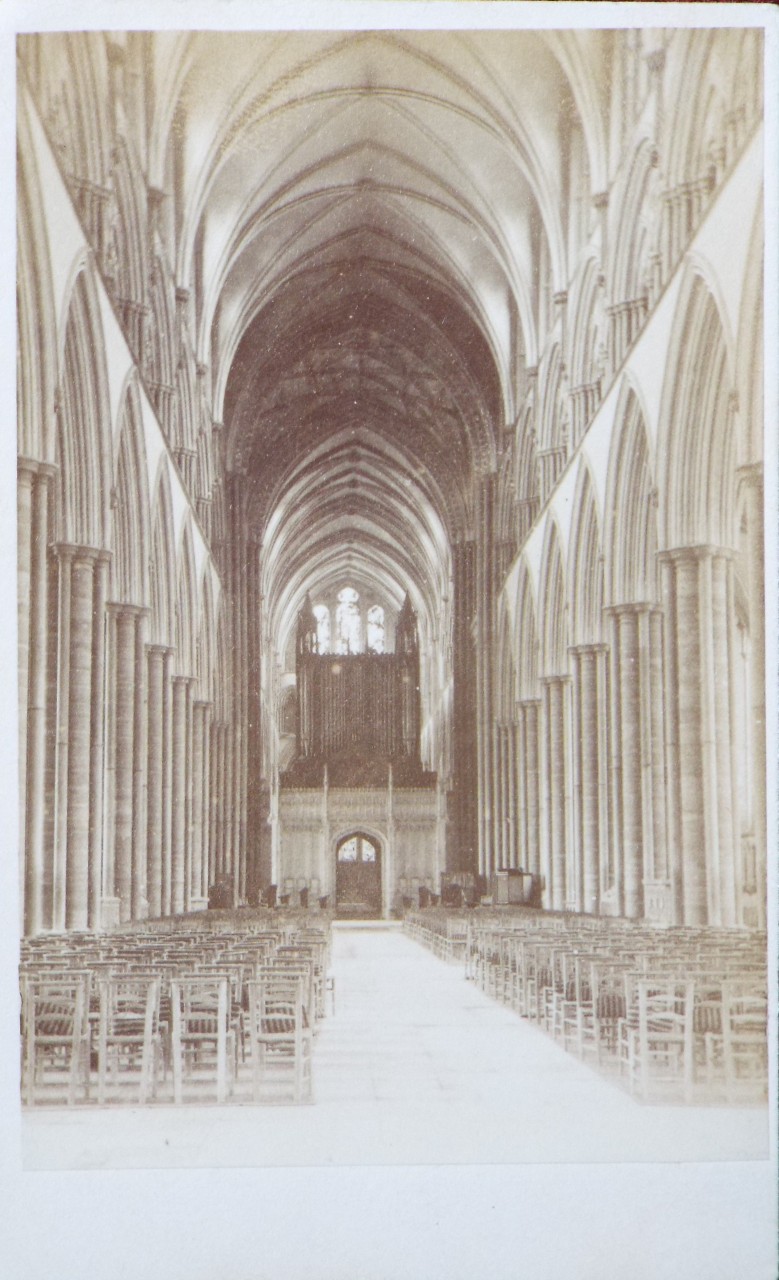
657 1049
203 1044
280 1035
744 1040
55 1039
129 1039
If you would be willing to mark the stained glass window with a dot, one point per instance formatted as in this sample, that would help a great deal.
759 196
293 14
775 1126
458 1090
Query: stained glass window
375 629
322 615
347 622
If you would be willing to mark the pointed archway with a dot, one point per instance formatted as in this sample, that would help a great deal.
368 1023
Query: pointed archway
358 858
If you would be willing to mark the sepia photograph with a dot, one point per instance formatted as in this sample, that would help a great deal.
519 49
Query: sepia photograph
395 761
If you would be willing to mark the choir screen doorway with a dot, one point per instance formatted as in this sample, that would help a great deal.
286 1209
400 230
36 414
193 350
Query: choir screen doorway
358 877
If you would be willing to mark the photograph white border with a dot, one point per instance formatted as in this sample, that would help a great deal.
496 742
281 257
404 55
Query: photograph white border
713 1221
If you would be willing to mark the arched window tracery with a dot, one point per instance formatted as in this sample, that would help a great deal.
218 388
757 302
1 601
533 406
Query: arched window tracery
375 629
322 615
348 624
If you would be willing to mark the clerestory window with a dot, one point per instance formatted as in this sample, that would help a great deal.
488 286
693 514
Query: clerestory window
348 626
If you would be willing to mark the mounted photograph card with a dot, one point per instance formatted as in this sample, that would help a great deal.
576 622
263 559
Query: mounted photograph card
394 766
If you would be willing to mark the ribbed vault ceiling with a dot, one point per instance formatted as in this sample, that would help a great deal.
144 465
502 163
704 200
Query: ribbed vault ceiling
363 212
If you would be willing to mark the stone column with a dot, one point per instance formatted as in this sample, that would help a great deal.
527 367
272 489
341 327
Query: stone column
589 693
531 856
723 613
657 735
511 786
155 656
485 609
182 688
26 471
695 776
627 654
139 894
671 737
79 736
499 798
124 628
189 801
200 711
555 787
32 742
65 555
97 742
207 861
751 480
696 580
167 784
109 903
217 863
229 816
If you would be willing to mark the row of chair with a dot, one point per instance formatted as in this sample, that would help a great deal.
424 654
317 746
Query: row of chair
445 933
203 1011
676 1014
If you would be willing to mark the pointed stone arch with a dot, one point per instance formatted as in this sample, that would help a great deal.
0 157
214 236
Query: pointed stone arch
206 665
130 508
631 509
635 222
587 345
186 604
506 692
527 660
36 314
555 764
82 442
585 589
161 364
130 234
553 608
163 561
526 473
697 446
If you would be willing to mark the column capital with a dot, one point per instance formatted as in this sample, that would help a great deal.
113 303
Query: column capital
185 680
563 678
750 474
630 607
205 703
704 551
34 467
529 702
594 648
161 649
77 551
119 608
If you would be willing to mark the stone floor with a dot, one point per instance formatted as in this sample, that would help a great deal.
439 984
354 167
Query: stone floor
416 1067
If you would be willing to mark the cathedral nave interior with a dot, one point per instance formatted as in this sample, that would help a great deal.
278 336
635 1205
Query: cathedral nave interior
390 575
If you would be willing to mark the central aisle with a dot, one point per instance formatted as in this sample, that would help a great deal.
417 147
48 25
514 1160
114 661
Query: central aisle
417 1066
429 1069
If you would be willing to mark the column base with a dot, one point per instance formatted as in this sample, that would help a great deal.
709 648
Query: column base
751 910
109 912
608 903
658 901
